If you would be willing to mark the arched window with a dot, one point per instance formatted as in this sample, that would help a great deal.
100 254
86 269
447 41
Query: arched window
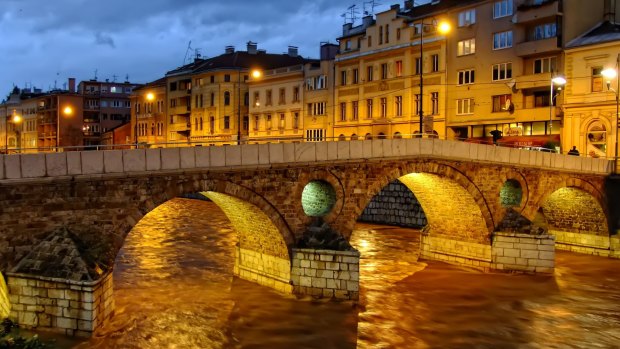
397 135
246 99
381 135
368 136
597 140
212 99
201 123
342 138
226 98
212 125
354 137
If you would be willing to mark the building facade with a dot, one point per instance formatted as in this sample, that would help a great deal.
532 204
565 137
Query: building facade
149 114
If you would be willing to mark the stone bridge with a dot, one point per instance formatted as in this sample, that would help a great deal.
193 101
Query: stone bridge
64 216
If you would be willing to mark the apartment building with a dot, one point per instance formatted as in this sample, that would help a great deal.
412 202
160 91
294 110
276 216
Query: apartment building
318 96
590 106
149 114
106 106
502 57
378 75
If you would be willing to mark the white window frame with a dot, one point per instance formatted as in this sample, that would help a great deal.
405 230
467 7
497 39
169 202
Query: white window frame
545 64
501 68
465 106
467 17
468 77
466 47
503 39
502 8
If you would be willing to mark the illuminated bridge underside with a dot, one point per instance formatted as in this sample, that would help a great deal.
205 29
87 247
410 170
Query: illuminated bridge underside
261 255
456 230
577 221
4 299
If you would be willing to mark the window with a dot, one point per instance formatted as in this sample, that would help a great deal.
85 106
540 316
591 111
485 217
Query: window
246 122
387 33
597 79
201 101
354 106
418 99
434 103
256 98
502 8
226 98
316 108
212 99
502 71
196 124
384 71
369 108
246 99
226 122
369 73
464 106
196 101
545 65
541 99
315 135
201 123
397 33
369 41
343 111
343 77
296 120
269 121
466 77
173 86
399 105
467 17
466 47
227 78
282 121
347 45
211 125
502 103
356 74
296 94
256 121
321 82
383 107
418 66
544 31
212 79
502 40
380 35
282 97
399 68
435 59
268 101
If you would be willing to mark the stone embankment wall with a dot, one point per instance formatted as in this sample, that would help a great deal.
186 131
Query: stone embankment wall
264 269
326 273
511 252
395 205
68 307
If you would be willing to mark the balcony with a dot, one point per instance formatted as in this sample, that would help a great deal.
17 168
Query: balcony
47 134
530 11
530 48
525 82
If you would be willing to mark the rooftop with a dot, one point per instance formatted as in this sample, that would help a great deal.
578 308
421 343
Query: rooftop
601 33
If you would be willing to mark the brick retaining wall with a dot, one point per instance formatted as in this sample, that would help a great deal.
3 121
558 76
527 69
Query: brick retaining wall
264 269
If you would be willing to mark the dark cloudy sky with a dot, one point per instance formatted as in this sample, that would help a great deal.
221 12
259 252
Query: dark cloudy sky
46 40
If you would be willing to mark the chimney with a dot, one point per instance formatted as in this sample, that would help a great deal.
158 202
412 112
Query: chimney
252 46
395 7
609 11
346 28
367 21
229 49
408 4
328 51
293 51
72 85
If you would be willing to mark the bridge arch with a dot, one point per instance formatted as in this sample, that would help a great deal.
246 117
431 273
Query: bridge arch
453 204
5 304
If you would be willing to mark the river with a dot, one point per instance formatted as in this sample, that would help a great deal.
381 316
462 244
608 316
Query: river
174 289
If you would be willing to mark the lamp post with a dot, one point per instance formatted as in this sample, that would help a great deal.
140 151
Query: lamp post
557 81
256 74
442 28
611 73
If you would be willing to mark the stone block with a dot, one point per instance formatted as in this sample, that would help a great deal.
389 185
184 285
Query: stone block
366 149
412 147
355 276
188 157
332 151
233 155
399 147
276 153
56 293
547 255
305 281
353 286
249 154
341 294
332 284
512 252
12 167
332 266
305 152
327 258
202 156
343 150
426 146
506 260
327 293
529 254
113 161
319 282
134 160
62 322
29 319
170 158
328 274
305 263
310 272
343 275
320 151
33 165
153 159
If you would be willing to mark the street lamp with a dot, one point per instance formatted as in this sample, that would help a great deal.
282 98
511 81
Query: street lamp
15 119
442 28
609 74
557 81
256 74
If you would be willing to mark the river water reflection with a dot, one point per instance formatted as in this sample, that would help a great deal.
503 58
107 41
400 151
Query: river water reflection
174 289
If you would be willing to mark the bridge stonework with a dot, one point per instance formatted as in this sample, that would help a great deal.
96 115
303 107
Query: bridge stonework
100 196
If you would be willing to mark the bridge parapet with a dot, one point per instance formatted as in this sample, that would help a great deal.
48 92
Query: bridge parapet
27 166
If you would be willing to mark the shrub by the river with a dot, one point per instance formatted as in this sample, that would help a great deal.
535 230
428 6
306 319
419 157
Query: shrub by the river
10 338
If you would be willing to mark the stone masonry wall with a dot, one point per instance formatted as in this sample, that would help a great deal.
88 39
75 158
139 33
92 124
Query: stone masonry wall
5 305
264 269
395 205
573 210
70 308
451 251
582 243
523 252
326 273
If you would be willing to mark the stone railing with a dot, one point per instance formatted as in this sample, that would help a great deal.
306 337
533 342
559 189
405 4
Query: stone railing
22 166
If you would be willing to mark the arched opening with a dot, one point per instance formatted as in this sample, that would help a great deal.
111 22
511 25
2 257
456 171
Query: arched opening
342 137
354 137
596 140
576 219
5 305
511 193
381 136
368 136
398 135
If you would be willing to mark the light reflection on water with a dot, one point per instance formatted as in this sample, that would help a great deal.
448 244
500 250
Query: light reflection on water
174 289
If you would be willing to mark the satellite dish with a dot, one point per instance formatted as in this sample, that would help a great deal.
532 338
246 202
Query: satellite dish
512 84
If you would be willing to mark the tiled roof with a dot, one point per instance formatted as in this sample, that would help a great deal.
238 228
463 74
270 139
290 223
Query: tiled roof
603 32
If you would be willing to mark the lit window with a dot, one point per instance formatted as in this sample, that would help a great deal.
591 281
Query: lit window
502 8
466 47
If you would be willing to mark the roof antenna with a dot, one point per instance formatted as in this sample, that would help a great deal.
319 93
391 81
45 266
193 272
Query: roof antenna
189 49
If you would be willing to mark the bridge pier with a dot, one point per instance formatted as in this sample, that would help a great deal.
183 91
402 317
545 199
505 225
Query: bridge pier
74 308
508 252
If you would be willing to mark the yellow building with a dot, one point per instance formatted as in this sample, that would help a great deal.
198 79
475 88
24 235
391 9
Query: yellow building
378 76
590 107
149 117
318 97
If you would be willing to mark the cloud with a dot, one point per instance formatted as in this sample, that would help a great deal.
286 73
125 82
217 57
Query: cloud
102 39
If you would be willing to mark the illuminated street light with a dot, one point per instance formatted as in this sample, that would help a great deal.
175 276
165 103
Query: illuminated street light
609 74
557 81
443 28
68 110
150 96
15 119
256 74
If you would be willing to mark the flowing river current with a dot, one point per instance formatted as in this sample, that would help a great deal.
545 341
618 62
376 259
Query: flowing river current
173 288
